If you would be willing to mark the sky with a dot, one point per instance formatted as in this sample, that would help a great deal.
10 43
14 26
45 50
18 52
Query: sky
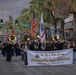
12 8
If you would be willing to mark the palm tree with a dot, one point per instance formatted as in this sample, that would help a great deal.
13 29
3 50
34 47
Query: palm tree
61 11
7 25
44 6
24 18
73 4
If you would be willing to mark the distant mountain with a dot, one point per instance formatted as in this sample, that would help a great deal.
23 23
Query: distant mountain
12 8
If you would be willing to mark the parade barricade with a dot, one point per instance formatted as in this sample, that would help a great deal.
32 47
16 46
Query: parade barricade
48 58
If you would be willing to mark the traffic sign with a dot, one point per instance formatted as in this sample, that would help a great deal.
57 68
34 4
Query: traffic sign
17 30
26 25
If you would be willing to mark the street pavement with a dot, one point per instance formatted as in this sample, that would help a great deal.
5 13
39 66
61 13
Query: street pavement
17 67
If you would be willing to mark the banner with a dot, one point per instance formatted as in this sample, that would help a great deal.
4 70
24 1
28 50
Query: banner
46 58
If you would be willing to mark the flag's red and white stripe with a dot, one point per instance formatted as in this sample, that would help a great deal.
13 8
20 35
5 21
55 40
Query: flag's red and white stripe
7 35
33 27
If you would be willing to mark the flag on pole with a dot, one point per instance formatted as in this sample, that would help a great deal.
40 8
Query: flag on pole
13 32
33 27
7 35
42 29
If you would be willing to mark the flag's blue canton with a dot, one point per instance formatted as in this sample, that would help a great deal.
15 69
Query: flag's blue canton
42 27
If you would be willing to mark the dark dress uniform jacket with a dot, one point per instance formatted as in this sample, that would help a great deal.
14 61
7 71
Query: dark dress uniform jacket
8 52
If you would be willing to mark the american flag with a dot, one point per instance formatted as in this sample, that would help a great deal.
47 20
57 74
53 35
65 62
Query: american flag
42 29
7 35
33 27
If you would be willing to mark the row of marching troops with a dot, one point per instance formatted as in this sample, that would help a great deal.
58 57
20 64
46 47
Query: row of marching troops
10 49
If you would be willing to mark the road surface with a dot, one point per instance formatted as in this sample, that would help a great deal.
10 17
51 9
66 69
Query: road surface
17 67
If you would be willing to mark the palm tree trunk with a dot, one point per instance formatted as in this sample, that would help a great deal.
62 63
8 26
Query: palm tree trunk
62 28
